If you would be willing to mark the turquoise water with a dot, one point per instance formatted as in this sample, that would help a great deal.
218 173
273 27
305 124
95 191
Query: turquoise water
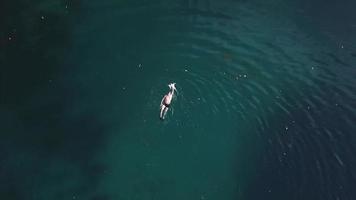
266 103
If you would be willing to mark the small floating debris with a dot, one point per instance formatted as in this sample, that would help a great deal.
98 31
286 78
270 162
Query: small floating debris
139 65
286 128
186 68
42 17
124 88
245 75
312 68
10 38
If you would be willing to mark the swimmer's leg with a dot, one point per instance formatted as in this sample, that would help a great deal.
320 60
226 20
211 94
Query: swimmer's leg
161 114
165 112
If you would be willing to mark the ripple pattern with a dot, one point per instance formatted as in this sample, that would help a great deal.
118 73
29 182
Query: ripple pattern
290 88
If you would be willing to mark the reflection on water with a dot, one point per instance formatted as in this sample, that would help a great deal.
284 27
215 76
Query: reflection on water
265 109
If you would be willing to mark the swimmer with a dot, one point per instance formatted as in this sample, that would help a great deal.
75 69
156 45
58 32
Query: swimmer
166 101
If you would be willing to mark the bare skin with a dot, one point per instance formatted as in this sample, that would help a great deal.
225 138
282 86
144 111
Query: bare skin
166 101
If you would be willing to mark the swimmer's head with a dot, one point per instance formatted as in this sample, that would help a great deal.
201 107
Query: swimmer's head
172 86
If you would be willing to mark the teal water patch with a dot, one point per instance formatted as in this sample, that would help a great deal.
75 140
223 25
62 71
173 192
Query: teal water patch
265 105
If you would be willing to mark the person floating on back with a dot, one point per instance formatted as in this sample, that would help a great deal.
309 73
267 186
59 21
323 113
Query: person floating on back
166 101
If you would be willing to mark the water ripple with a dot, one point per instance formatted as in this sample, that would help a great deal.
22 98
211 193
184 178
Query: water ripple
300 103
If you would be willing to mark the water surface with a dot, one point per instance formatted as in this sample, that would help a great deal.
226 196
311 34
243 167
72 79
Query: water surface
266 103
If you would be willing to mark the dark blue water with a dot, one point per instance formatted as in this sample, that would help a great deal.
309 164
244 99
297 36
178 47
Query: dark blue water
266 103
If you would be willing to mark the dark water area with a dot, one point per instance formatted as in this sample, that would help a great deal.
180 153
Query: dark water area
265 109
